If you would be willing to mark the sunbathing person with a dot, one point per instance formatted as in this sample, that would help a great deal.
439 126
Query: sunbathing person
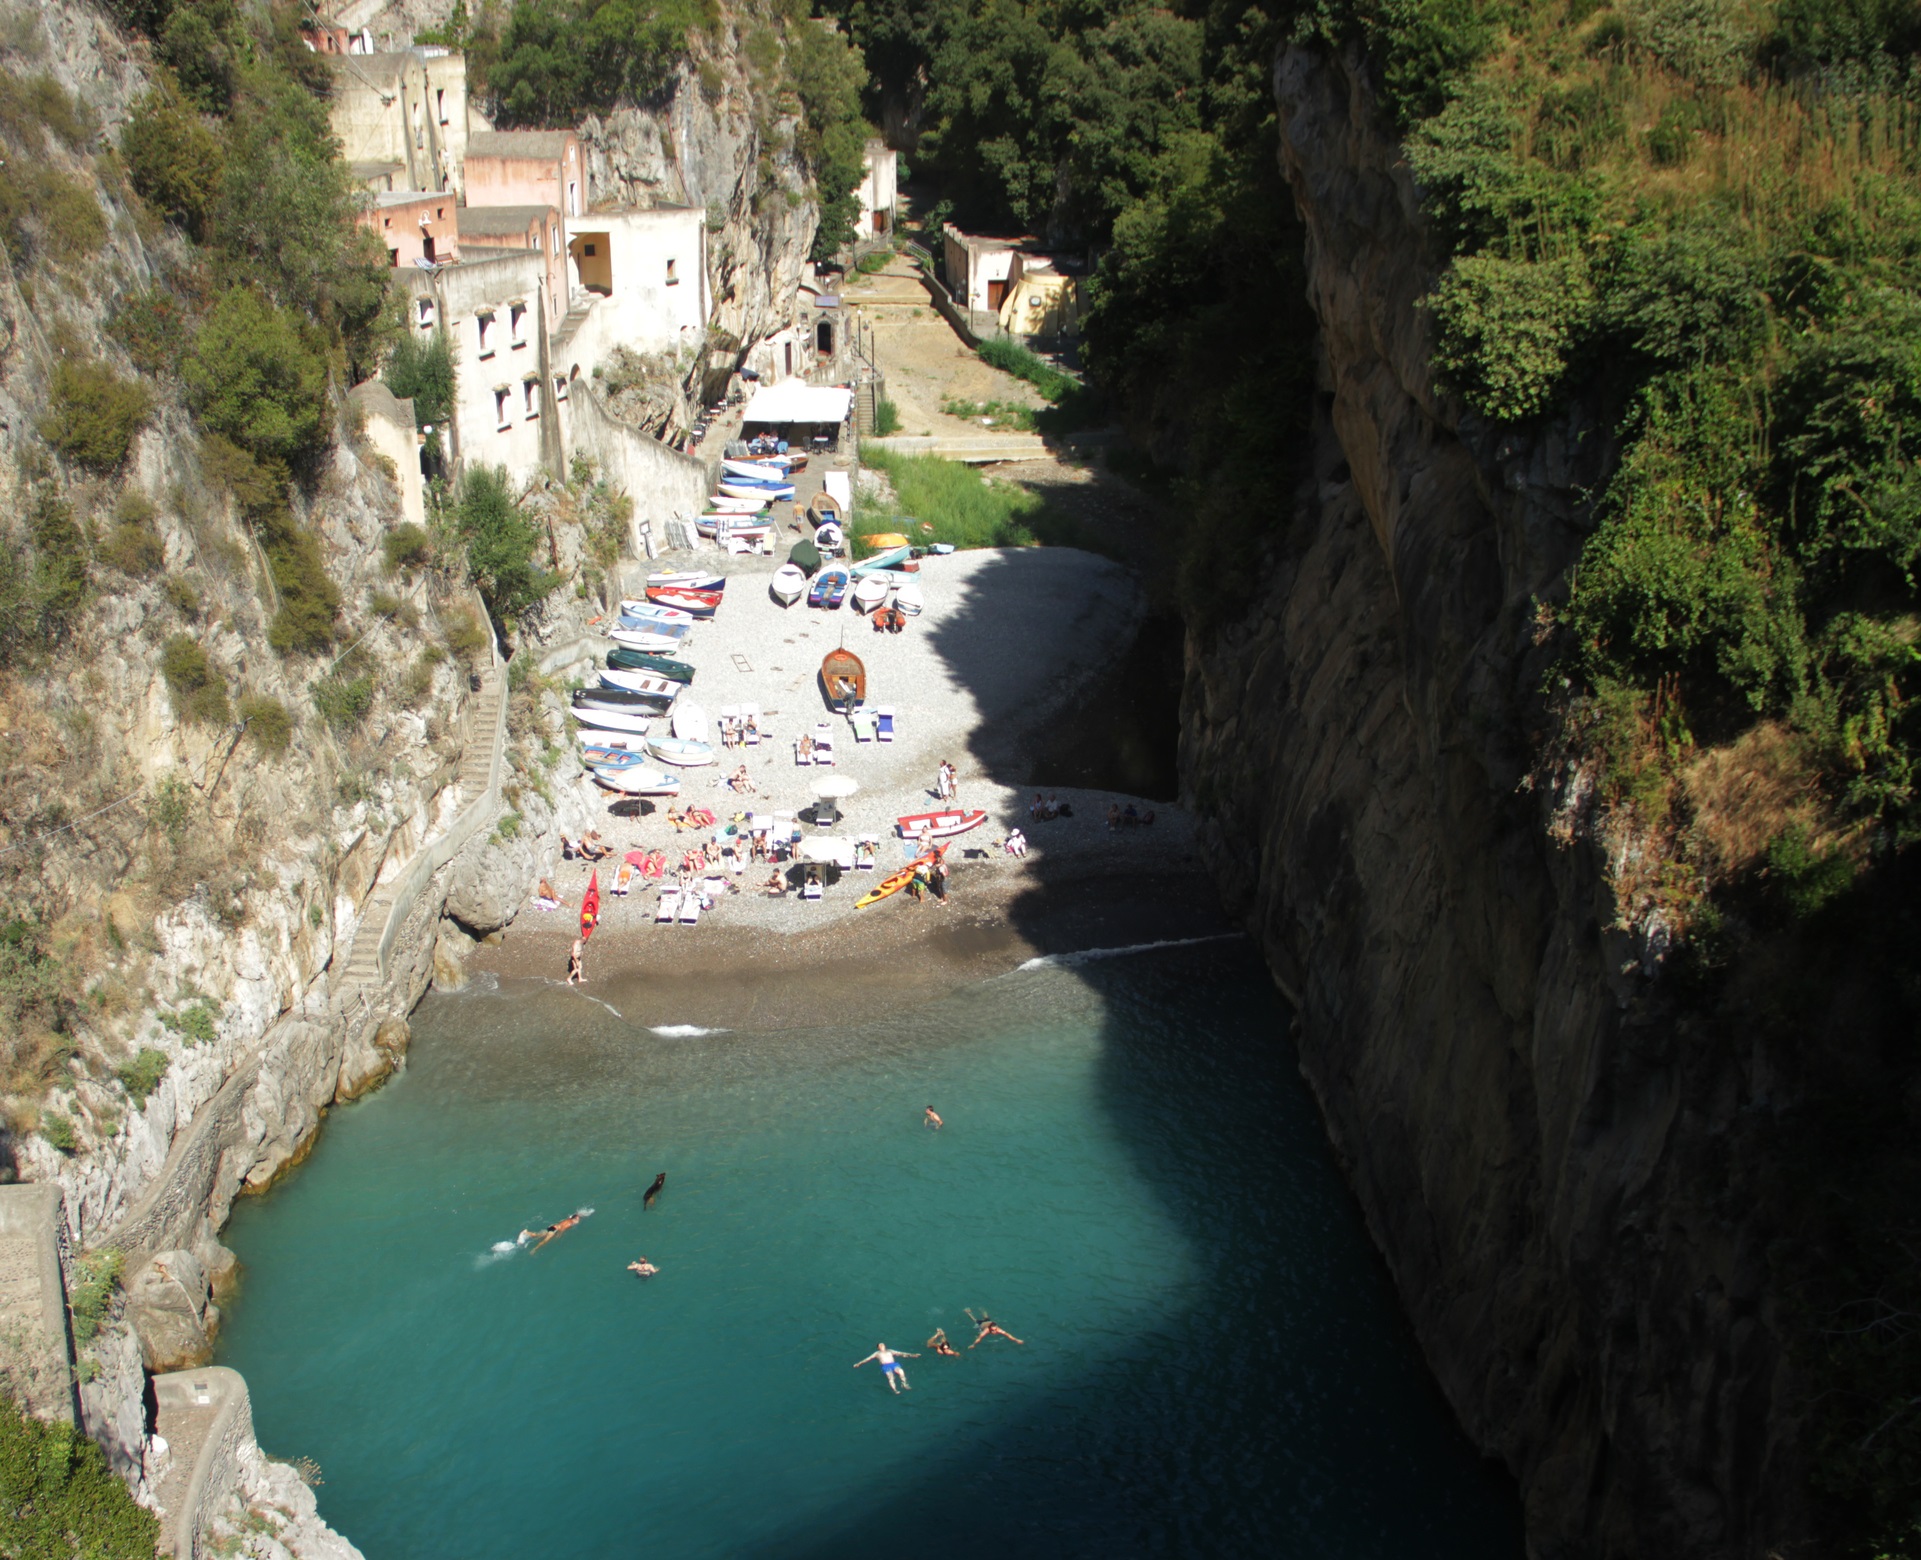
552 1230
806 749
939 1344
776 885
545 898
989 1328
739 781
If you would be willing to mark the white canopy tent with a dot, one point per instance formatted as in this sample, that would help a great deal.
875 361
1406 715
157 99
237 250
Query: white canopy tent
796 401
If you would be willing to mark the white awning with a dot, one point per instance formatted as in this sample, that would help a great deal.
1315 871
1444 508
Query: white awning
796 401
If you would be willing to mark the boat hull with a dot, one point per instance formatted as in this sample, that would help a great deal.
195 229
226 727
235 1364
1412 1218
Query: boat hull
639 782
658 665
679 750
612 720
830 589
940 825
788 585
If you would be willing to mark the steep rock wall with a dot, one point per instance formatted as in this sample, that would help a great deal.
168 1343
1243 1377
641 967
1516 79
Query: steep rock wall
1545 1172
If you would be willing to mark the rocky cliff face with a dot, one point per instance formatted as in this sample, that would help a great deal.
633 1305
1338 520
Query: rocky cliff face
1545 1170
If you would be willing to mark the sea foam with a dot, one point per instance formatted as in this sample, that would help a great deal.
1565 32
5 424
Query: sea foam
1061 961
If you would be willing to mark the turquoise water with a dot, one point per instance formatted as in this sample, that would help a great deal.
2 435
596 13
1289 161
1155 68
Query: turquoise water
1131 1178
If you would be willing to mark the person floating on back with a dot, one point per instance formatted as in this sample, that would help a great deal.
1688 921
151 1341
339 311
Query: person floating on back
989 1328
890 1367
654 1190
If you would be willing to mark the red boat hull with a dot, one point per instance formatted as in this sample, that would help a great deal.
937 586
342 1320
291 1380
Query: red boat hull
940 825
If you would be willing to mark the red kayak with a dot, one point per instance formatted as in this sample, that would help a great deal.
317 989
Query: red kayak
590 906
940 825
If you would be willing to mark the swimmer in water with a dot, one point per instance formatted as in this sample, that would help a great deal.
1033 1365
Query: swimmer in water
654 1190
932 1119
551 1231
939 1344
643 1267
989 1328
890 1366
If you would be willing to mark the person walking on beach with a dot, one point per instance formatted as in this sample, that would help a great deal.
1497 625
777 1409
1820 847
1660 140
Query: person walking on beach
939 1344
890 1366
576 969
932 1119
989 1328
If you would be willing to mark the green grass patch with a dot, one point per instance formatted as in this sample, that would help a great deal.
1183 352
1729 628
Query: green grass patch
1010 357
1009 413
886 419
943 501
141 1076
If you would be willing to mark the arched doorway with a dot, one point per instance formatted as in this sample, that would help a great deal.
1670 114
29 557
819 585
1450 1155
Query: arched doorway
824 337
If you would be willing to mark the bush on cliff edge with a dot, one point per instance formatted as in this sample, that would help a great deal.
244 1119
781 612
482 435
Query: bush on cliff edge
59 1500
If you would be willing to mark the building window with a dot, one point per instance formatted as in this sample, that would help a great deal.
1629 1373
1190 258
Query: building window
440 103
560 388
386 222
440 213
393 258
586 249
530 392
672 280
500 409
517 322
426 308
573 197
484 325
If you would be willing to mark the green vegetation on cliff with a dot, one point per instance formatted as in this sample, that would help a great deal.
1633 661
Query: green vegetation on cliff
59 1500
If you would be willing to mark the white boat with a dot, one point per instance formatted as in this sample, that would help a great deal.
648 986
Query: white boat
761 495
689 722
611 720
789 584
907 597
648 644
869 593
829 538
682 579
647 625
641 682
639 781
754 471
654 612
678 750
736 506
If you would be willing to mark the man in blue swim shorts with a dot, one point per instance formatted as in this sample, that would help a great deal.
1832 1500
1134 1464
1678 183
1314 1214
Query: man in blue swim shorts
890 1366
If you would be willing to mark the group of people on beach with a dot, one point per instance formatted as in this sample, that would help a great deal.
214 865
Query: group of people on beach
895 1374
1045 809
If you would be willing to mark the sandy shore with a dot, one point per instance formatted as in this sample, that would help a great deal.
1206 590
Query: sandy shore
1008 639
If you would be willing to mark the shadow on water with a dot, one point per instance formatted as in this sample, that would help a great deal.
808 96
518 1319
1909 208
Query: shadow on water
1315 1427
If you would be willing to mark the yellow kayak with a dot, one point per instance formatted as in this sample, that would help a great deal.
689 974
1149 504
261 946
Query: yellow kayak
893 883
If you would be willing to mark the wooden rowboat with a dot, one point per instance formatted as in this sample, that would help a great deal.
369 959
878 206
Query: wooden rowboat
843 678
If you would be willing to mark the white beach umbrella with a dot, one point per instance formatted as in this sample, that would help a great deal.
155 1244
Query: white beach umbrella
833 786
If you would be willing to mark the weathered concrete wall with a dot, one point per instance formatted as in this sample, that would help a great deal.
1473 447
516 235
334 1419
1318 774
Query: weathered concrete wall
34 1368
389 423
662 482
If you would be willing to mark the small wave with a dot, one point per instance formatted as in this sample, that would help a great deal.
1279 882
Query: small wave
1061 961
502 1246
682 1031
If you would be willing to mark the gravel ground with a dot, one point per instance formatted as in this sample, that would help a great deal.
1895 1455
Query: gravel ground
1007 640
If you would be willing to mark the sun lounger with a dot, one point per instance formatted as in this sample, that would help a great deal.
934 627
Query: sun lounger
864 859
810 889
802 756
823 744
866 724
884 715
750 723
689 908
669 904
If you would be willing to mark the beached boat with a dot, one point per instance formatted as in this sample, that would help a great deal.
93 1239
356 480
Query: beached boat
829 538
908 598
695 603
747 527
941 825
659 665
597 755
804 556
723 504
618 699
843 678
686 579
639 682
769 493
888 558
613 720
654 612
885 539
830 588
680 750
893 883
639 781
641 639
869 592
788 585
755 470
637 624
825 509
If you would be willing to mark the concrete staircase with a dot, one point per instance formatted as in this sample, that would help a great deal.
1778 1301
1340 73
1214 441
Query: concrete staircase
478 758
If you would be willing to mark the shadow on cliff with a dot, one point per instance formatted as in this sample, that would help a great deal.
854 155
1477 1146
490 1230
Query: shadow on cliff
1284 1408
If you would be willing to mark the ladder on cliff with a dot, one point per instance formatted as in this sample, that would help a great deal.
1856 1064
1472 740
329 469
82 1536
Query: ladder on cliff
476 768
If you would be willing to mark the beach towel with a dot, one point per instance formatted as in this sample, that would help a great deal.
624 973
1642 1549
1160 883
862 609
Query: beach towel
623 879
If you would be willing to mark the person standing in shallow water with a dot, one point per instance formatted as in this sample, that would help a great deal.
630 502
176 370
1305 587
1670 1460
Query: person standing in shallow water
576 968
890 1367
